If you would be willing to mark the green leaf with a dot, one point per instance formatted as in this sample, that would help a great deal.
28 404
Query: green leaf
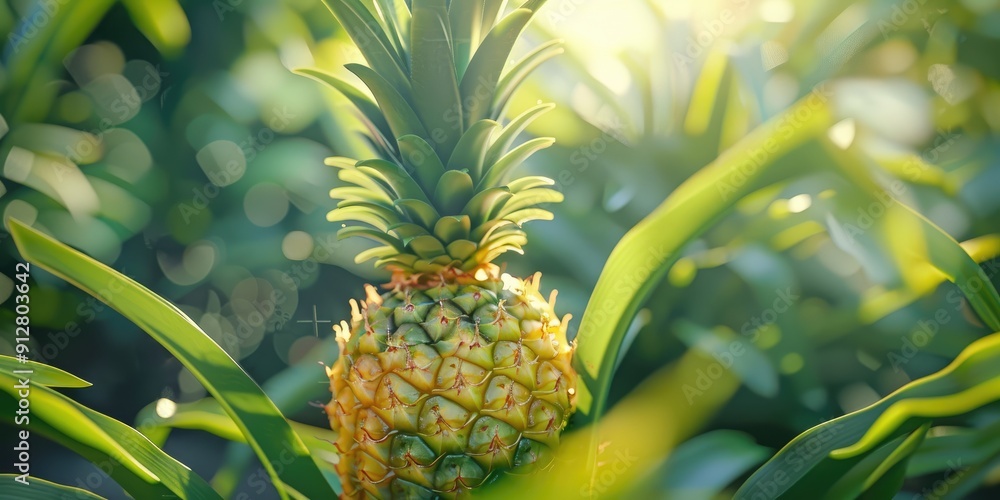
479 83
500 171
531 182
401 183
206 415
751 365
373 216
422 161
406 230
971 381
42 374
163 22
884 469
492 9
40 489
466 18
452 228
143 470
533 5
453 191
371 39
519 72
360 194
961 446
426 247
375 235
56 140
397 19
462 249
484 202
39 59
419 212
266 430
369 110
506 138
526 200
647 251
373 184
697 471
948 256
435 85
397 111
527 215
875 306
470 152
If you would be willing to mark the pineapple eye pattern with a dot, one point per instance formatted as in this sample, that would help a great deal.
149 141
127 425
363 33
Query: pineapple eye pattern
436 411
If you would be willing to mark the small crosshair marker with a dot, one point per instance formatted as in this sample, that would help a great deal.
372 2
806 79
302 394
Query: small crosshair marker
315 321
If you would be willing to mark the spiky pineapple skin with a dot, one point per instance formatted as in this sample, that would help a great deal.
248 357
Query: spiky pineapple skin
438 390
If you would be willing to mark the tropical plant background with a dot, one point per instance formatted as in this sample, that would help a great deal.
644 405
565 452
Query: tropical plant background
786 284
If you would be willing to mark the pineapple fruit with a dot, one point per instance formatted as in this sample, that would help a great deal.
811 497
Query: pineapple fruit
457 372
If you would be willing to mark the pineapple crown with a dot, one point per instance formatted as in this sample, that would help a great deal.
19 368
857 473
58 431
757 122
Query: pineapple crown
441 197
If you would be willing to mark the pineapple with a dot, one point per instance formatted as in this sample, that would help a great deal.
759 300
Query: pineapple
457 372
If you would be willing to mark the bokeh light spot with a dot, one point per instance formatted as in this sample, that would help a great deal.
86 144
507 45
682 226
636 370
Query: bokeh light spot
799 203
165 408
223 162
297 245
791 363
266 204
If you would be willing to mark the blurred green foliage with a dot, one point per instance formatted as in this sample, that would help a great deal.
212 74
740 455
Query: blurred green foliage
171 140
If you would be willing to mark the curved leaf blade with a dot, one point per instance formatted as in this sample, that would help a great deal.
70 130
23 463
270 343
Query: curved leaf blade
40 489
260 421
479 83
972 380
434 82
42 374
141 468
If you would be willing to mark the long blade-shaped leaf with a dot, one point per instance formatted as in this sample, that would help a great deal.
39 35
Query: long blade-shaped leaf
257 417
136 464
40 489
519 72
163 22
365 105
435 85
969 382
648 250
371 39
402 119
42 374
479 83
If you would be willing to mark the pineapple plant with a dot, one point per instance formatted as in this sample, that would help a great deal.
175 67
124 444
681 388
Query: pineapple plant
458 371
